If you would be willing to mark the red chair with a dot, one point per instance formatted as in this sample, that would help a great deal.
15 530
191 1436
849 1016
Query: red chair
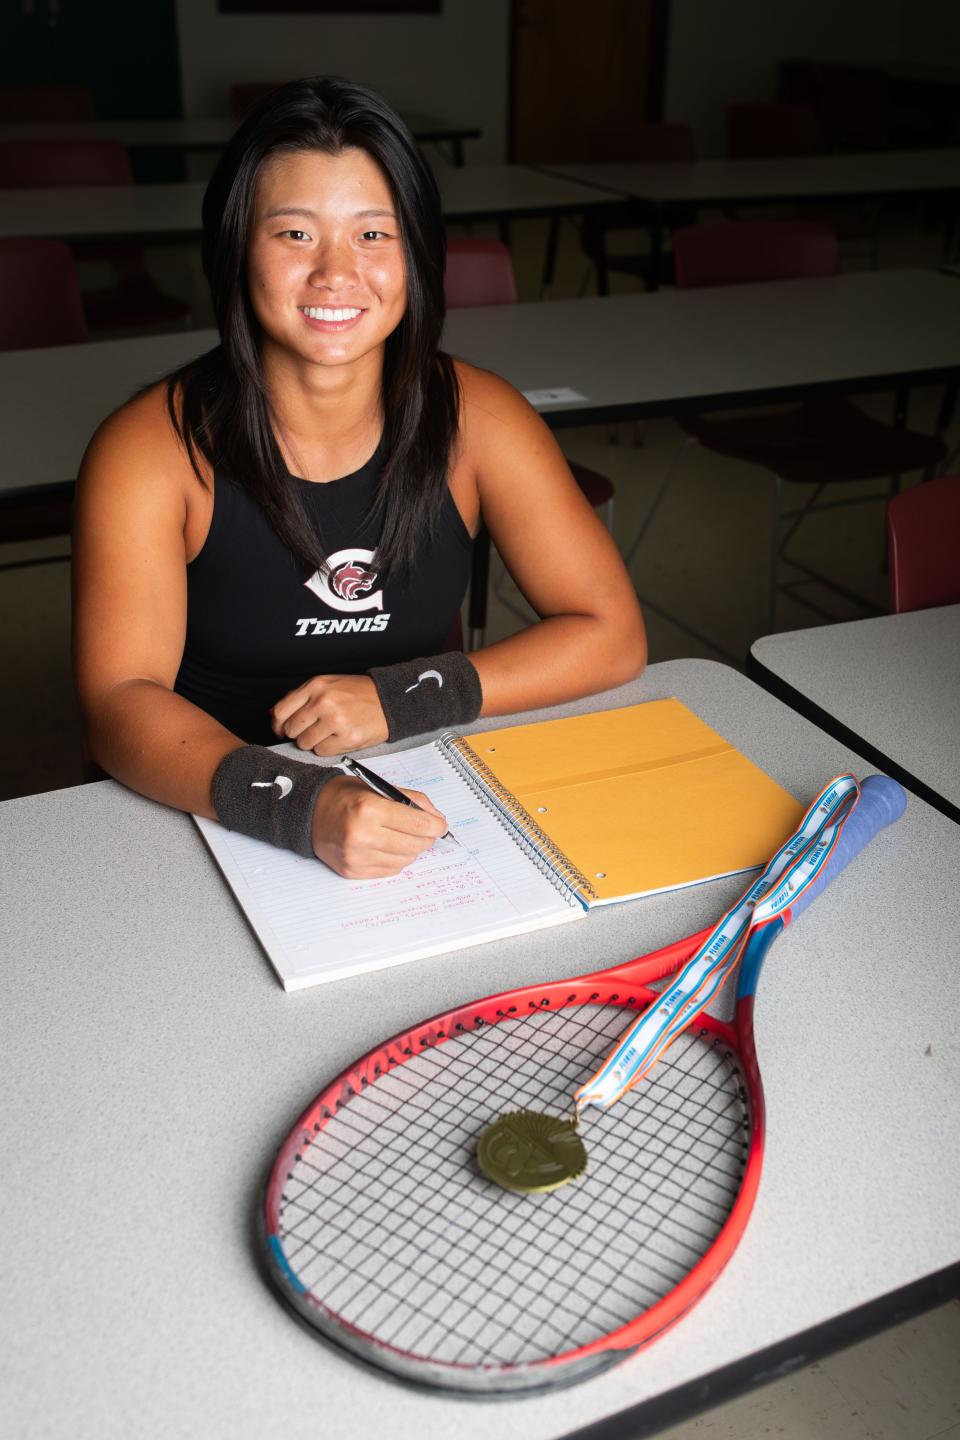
826 440
46 104
786 128
40 302
38 164
661 144
923 531
738 252
40 305
480 272
856 109
754 131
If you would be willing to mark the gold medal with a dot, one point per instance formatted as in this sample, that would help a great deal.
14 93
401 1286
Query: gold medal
531 1153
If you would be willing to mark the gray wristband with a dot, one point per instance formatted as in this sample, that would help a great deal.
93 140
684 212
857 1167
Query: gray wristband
269 796
432 694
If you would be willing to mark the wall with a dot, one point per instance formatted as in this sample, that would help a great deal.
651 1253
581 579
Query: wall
930 33
723 50
453 65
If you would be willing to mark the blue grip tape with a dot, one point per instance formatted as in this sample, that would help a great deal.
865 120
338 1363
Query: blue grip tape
882 801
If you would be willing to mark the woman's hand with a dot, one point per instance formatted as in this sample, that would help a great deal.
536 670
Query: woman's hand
331 714
363 836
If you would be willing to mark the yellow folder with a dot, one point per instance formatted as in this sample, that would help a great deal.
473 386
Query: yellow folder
641 799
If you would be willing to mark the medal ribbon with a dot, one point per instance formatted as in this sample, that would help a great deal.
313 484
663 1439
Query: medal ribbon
791 870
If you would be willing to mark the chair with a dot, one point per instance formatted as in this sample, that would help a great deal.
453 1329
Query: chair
754 131
923 531
785 129
40 305
661 144
136 300
40 301
853 103
825 440
856 110
480 272
46 104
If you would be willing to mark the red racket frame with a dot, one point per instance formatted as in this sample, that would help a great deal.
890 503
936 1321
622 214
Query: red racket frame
623 985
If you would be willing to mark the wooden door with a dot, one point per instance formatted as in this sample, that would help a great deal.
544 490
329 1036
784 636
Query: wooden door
583 70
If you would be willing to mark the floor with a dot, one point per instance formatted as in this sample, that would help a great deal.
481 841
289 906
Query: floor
702 598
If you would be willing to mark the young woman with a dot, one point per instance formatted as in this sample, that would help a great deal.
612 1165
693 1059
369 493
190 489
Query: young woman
275 543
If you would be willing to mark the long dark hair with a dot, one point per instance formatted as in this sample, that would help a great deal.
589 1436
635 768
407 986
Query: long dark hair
219 403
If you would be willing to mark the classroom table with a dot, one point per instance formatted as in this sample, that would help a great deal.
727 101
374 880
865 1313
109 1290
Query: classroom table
888 686
170 211
658 191
210 133
584 361
145 1040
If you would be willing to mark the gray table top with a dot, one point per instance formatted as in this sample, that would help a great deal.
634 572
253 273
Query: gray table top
152 1066
893 680
202 133
684 349
889 172
168 211
623 355
171 211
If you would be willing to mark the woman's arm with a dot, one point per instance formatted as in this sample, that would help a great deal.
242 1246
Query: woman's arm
129 611
137 501
591 635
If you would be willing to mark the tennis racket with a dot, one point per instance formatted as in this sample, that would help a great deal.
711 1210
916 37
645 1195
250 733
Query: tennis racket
382 1233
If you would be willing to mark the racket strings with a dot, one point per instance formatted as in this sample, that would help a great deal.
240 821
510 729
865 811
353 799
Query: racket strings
389 1225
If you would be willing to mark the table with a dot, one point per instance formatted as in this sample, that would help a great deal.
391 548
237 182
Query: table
171 211
209 133
888 686
625 356
659 190
671 353
145 1040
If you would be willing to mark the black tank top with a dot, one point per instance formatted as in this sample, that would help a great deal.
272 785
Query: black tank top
256 629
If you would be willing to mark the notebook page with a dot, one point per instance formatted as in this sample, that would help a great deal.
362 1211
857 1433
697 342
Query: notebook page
317 926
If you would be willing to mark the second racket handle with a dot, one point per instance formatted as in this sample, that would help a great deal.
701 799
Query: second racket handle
882 801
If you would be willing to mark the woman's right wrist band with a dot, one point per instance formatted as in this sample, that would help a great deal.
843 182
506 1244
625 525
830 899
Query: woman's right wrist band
269 797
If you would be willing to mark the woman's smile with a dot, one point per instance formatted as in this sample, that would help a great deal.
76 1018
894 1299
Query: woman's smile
325 237
331 319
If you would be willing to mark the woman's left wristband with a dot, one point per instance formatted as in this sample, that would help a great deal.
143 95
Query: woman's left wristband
434 693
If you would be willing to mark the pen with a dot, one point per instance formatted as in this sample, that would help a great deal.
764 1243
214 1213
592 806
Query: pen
383 787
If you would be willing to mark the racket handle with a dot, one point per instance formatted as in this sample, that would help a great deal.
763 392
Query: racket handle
882 801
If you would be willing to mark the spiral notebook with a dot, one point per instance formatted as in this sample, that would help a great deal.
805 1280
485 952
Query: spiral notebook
551 819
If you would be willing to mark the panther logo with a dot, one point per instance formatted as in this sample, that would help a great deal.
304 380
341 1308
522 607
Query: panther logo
350 580
348 583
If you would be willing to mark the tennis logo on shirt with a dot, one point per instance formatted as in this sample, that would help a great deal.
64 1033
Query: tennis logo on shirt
348 585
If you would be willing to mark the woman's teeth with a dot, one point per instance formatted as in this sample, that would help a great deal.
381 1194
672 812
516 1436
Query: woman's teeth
315 312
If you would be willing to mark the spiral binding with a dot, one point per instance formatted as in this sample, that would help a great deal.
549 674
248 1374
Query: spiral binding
547 856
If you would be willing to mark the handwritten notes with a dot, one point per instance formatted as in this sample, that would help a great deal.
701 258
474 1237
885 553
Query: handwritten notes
317 926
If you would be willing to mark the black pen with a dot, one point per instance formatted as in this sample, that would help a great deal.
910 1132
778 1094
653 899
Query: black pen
383 787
